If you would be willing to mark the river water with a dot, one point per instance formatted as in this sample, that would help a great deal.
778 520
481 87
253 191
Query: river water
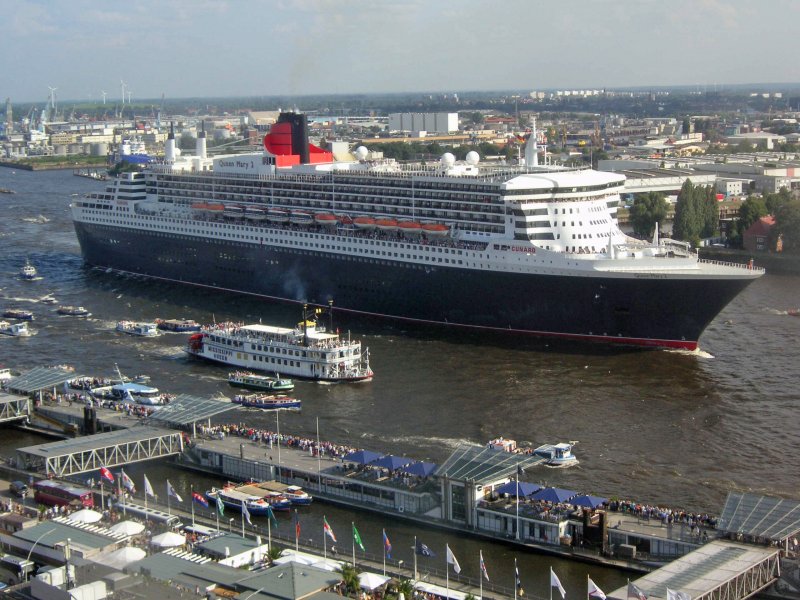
669 428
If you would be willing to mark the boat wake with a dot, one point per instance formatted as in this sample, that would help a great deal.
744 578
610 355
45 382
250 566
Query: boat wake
697 352
39 219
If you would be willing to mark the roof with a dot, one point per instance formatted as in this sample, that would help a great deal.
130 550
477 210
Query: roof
289 581
484 465
563 179
752 515
234 544
99 440
168 567
41 378
762 226
49 533
700 571
185 410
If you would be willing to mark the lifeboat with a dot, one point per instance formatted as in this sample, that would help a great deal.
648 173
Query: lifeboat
199 206
435 230
386 224
326 219
409 227
301 217
254 213
233 211
345 220
214 207
364 223
278 215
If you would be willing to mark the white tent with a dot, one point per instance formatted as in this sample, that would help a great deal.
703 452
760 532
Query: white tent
439 590
300 560
119 559
127 527
168 539
371 581
85 515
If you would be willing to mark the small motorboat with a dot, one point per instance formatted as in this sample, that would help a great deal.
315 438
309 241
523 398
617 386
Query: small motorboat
15 329
134 328
557 455
48 299
265 383
793 312
28 271
18 313
297 495
73 311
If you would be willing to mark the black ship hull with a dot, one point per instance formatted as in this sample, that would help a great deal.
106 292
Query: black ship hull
651 312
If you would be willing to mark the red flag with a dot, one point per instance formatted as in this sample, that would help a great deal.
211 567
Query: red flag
106 474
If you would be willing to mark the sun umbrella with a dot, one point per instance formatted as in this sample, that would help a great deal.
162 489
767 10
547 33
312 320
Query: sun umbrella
121 558
390 462
168 539
86 515
553 495
127 527
371 581
423 469
362 457
588 501
525 488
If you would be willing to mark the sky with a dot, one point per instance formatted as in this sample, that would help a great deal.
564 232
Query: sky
213 48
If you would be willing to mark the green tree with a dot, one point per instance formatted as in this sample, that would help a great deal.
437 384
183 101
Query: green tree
752 210
350 578
710 211
686 225
787 224
274 553
647 210
774 202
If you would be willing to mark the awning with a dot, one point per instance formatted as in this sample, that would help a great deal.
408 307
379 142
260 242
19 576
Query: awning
423 469
390 462
371 581
362 457
525 488
554 495
588 501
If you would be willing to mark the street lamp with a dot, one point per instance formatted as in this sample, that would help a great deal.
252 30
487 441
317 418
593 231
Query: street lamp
230 525
27 558
261 589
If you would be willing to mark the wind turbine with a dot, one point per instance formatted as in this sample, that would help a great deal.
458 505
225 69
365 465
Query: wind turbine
122 83
129 96
104 95
53 100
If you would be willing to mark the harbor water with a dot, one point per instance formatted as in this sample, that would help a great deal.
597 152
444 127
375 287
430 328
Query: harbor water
666 428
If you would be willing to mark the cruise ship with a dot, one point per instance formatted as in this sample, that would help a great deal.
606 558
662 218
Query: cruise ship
523 249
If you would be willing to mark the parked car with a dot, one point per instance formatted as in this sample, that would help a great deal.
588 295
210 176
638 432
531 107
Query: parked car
18 488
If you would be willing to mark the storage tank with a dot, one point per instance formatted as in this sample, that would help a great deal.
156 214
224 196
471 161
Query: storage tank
60 150
75 149
99 149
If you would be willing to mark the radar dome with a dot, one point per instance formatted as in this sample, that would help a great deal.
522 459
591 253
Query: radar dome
448 160
473 158
362 153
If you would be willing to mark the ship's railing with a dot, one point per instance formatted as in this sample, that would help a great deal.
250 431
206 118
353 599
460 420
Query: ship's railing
722 263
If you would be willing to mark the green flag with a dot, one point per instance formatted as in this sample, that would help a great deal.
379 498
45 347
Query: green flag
357 538
271 516
220 506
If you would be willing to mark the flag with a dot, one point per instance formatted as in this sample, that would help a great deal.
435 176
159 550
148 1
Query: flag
483 567
451 560
327 529
200 499
245 512
594 591
296 525
357 538
554 582
106 474
148 489
635 592
517 580
171 492
220 506
676 595
387 545
127 482
423 550
271 516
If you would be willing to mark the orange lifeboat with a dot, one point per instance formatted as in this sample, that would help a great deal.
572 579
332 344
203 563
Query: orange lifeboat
386 224
364 223
326 219
409 227
344 219
215 207
199 206
435 229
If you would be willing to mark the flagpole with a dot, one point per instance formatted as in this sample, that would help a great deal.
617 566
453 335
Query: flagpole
587 586
515 579
169 510
319 472
145 493
269 534
191 495
216 510
244 507
296 535
278 425
354 531
324 539
383 543
415 558
447 569
518 535
480 575
551 583
102 495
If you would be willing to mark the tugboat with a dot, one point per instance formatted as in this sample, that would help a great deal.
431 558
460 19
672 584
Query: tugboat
28 271
18 313
264 383
73 311
557 455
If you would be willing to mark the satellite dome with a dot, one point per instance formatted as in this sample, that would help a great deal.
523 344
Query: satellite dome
448 160
473 158
362 153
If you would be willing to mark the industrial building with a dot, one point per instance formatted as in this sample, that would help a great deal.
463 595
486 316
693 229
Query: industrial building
432 122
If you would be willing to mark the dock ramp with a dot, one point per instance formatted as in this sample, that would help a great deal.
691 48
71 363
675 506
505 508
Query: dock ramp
115 448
